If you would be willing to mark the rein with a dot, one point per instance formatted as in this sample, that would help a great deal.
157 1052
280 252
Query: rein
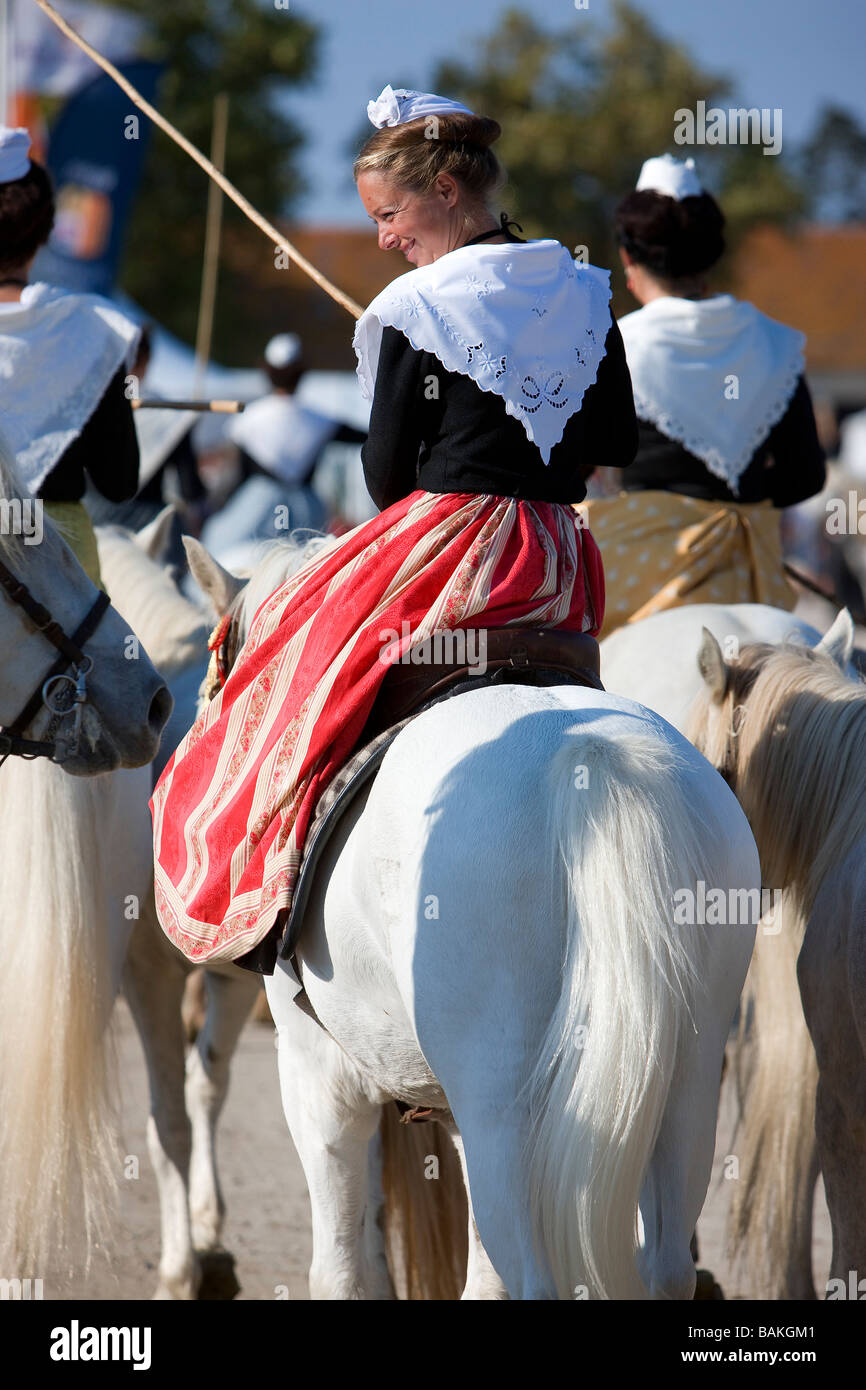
51 692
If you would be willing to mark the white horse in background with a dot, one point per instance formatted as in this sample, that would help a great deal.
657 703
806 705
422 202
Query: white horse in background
492 936
186 1092
777 1073
77 857
127 703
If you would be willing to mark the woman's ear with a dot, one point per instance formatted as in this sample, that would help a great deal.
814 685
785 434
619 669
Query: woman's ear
447 189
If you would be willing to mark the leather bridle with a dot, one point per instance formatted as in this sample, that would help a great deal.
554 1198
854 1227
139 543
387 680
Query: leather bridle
58 692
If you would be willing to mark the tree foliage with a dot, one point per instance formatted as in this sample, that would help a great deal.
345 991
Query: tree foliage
582 108
253 53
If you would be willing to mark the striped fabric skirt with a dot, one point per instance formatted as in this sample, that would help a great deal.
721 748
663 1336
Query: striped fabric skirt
232 808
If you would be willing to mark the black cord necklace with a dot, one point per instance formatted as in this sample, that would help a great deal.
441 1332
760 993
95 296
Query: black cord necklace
502 230
13 280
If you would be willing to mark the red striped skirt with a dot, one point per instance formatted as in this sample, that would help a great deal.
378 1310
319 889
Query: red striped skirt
232 808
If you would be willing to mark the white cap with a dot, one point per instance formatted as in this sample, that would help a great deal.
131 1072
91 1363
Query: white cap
674 177
283 350
397 106
14 144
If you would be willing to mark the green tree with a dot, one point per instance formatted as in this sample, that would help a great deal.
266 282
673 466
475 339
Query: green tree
582 108
253 53
834 166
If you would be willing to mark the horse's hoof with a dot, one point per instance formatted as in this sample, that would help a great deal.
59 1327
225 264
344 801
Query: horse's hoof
218 1278
706 1288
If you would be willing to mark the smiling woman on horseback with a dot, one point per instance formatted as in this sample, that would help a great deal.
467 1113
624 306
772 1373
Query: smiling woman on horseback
727 432
498 381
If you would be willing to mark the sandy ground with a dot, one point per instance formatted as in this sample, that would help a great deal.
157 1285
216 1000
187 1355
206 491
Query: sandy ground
268 1217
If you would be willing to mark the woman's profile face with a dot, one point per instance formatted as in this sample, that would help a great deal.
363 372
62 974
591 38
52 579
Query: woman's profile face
424 226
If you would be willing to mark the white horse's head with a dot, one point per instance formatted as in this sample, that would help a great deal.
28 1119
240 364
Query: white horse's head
786 725
127 703
237 598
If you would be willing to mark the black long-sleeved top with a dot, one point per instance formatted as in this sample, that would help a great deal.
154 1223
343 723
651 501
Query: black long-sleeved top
787 466
462 440
107 448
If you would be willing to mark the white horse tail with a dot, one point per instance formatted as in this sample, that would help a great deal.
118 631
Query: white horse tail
620 823
770 1217
426 1222
56 1134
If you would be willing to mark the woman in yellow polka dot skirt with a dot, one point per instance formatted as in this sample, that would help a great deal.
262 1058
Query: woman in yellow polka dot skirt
727 431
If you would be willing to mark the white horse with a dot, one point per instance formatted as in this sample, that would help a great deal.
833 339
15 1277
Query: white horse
777 1072
492 936
186 1097
127 703
76 864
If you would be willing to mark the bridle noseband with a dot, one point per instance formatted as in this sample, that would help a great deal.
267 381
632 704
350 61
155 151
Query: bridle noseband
54 692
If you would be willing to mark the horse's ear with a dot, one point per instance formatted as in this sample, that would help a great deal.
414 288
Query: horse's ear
216 583
712 666
838 643
154 537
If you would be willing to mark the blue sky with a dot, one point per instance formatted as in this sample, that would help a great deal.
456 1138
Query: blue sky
793 54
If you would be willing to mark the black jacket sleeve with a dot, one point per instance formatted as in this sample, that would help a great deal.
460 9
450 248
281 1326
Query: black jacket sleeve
797 469
390 454
107 448
607 411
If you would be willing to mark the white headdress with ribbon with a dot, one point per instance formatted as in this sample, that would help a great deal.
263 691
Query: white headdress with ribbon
676 178
523 320
14 161
396 106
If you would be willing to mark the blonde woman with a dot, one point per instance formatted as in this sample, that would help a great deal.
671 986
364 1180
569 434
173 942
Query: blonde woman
498 379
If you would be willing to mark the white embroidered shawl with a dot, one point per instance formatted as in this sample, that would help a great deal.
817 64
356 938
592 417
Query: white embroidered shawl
714 374
58 352
522 320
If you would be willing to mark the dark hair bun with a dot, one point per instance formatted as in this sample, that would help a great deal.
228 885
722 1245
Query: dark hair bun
26 217
672 238
461 129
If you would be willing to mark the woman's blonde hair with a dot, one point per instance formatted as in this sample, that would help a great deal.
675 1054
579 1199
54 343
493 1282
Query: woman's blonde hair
414 154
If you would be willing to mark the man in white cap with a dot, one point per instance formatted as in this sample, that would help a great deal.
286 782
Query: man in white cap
280 442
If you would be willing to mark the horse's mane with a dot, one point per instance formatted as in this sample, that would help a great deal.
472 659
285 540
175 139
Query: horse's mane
793 728
12 543
278 561
173 629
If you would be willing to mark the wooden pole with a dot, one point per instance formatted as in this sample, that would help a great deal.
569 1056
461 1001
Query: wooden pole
210 266
228 188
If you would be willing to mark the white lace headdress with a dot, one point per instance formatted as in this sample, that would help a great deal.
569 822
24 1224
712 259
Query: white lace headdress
58 352
713 374
521 319
396 106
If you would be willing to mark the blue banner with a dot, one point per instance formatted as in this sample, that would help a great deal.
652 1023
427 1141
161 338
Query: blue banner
95 156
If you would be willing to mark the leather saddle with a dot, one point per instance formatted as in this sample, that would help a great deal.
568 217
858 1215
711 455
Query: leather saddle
446 664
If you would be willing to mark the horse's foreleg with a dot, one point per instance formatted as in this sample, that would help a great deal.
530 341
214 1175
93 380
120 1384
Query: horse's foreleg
153 984
230 998
332 1119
